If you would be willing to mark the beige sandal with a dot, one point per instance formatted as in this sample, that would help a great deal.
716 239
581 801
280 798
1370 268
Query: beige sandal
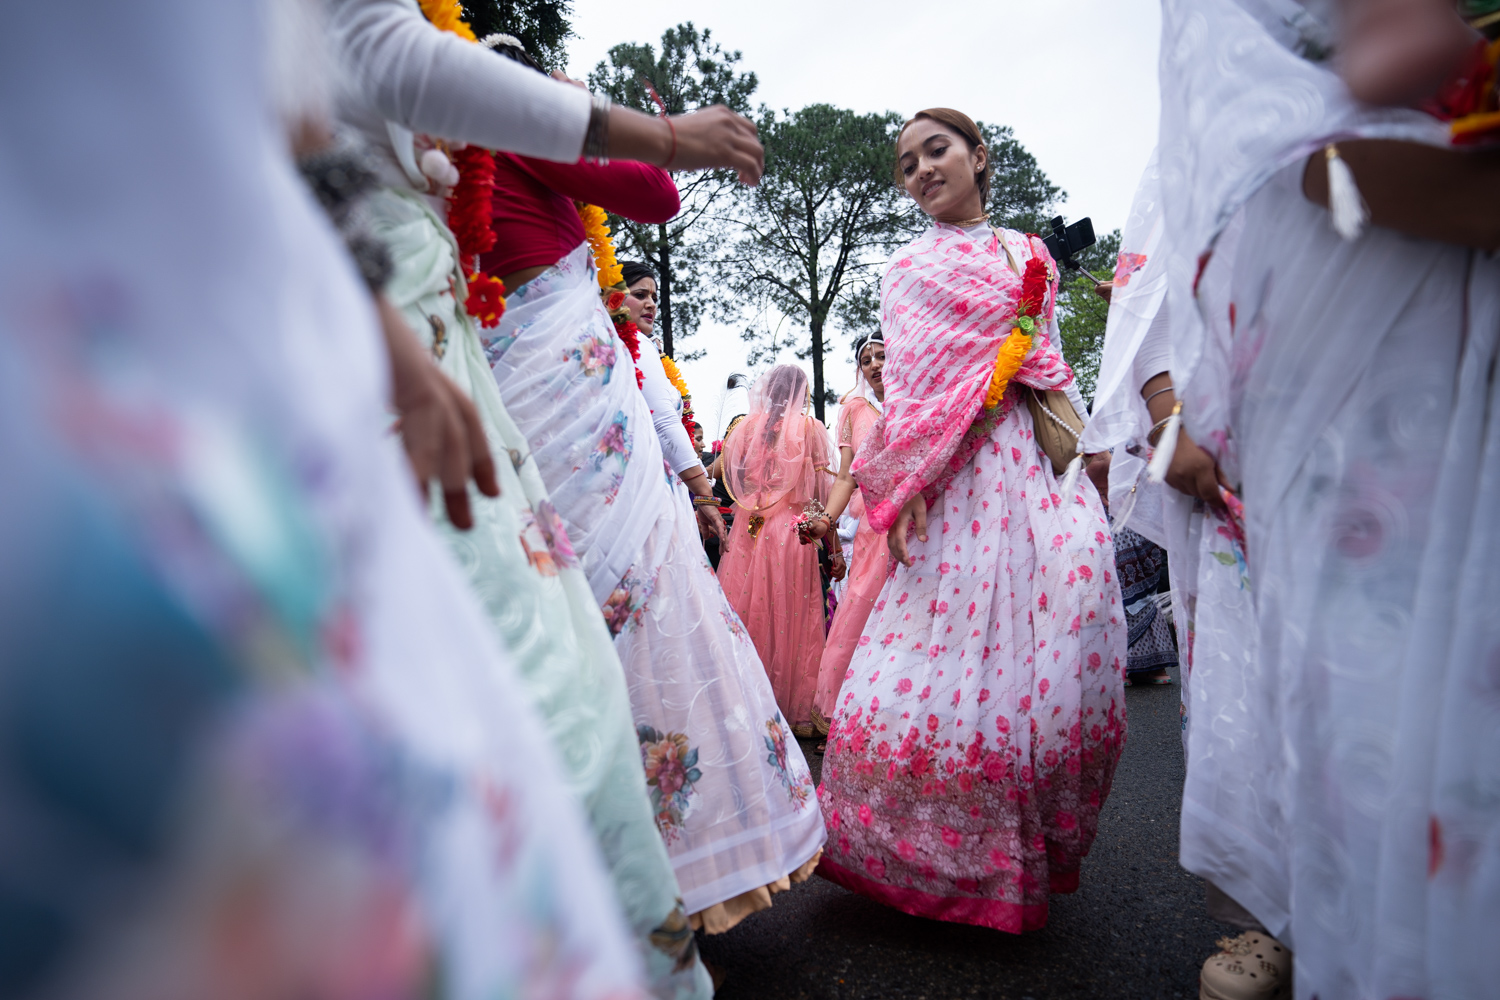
1253 966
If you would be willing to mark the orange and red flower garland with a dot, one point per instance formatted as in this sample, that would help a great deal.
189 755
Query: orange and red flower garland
611 282
1469 101
674 375
1014 348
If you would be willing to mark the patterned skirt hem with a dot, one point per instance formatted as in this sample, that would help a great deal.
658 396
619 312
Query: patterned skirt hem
1013 918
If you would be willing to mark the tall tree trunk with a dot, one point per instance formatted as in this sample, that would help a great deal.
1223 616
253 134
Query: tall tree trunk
664 289
817 363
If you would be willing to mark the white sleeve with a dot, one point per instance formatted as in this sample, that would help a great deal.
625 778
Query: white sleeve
435 82
1154 356
666 411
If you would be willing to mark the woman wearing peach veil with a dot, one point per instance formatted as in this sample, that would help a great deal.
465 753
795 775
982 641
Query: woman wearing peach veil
778 469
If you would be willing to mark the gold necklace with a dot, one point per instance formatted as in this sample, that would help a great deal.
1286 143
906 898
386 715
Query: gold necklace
971 222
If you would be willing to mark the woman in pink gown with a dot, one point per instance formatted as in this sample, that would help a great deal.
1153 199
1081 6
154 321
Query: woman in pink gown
869 565
976 736
777 467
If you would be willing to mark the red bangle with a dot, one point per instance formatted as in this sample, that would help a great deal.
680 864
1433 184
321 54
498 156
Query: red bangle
673 129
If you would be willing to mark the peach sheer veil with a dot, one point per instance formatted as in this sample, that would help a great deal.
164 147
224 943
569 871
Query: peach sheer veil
778 450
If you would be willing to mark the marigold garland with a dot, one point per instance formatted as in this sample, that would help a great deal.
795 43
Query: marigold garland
1013 349
611 282
448 15
674 375
594 218
1007 362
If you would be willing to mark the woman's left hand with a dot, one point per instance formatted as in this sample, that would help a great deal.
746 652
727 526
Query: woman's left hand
840 569
710 523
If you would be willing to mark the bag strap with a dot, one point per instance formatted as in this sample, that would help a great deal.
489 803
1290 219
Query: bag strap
1041 401
1009 257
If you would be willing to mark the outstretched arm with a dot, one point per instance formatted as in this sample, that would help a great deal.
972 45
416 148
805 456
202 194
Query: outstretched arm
1429 192
435 82
638 191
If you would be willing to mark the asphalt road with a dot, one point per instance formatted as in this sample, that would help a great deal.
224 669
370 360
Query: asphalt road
1135 928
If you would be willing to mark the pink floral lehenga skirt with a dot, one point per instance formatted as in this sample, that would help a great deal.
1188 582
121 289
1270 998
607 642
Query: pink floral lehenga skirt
976 735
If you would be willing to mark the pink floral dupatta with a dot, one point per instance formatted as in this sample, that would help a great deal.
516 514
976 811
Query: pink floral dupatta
947 302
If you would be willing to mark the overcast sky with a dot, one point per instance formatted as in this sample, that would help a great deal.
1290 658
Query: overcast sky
1076 79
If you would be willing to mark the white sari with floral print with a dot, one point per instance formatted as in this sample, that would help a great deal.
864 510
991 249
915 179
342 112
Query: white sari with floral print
733 796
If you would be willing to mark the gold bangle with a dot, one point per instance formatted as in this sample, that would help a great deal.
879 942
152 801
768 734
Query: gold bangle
1156 429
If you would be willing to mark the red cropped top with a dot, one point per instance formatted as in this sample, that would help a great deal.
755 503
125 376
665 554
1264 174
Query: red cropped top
535 220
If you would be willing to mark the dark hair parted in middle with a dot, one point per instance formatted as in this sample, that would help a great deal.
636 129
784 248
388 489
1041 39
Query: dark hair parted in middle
632 271
967 130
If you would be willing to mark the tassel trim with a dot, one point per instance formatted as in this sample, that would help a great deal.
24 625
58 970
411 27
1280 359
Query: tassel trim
1345 203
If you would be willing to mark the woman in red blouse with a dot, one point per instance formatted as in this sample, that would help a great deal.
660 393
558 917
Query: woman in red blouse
733 796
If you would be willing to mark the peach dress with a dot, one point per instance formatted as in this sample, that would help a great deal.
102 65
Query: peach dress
868 568
776 461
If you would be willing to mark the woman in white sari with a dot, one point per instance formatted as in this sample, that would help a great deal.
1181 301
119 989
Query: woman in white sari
733 796
1347 383
1232 831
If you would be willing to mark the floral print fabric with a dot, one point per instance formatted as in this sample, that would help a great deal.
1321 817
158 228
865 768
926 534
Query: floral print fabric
977 734
1342 779
671 770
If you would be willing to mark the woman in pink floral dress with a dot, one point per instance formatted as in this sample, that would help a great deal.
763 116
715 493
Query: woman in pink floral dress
976 736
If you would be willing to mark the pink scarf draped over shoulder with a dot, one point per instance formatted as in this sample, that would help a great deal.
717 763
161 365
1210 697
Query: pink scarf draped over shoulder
947 303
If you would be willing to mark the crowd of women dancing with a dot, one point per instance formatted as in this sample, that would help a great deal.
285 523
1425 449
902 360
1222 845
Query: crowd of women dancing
277 723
